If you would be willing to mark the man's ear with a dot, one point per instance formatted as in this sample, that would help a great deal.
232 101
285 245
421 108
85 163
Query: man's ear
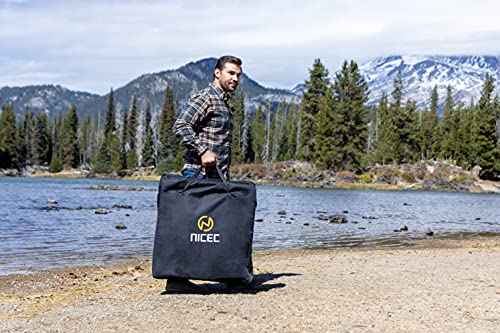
217 73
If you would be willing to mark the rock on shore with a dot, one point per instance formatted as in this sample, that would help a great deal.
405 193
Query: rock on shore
425 175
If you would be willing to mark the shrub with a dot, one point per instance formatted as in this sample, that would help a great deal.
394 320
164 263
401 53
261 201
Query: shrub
365 178
463 176
408 177
346 176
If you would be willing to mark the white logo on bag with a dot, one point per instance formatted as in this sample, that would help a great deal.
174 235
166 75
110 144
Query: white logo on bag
205 224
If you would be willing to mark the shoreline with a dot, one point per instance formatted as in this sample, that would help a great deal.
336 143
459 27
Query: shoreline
427 175
407 243
484 186
435 285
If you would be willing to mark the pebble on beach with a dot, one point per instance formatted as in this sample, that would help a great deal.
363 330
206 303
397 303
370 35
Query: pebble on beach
404 228
282 212
101 211
52 201
121 226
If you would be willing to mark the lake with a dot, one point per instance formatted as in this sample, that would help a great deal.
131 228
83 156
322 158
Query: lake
34 238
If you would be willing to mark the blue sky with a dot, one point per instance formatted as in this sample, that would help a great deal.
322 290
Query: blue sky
95 45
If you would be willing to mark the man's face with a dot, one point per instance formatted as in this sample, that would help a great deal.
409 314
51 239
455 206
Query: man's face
228 78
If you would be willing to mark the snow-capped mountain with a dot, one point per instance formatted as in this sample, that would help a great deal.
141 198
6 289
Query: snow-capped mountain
465 75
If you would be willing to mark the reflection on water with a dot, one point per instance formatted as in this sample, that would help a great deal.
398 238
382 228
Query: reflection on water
32 237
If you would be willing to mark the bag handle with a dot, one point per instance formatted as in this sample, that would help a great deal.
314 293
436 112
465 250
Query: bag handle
195 176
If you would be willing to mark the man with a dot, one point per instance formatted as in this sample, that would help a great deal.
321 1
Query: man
205 127
206 123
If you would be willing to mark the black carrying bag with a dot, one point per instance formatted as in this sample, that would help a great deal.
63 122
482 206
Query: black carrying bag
204 229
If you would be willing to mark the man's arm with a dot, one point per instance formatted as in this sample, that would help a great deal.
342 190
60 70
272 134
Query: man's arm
190 118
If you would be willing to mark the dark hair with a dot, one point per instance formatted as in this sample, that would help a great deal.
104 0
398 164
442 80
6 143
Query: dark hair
222 61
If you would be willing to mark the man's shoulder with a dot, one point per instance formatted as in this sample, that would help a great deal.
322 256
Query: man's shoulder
203 93
202 97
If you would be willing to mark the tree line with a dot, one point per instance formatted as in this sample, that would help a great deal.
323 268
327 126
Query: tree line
332 126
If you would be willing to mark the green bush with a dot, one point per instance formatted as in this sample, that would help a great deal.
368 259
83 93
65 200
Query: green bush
461 177
365 178
55 165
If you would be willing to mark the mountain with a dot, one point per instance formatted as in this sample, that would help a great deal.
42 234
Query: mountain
49 98
148 87
465 74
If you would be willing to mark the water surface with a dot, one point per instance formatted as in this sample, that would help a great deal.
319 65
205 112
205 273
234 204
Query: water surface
32 238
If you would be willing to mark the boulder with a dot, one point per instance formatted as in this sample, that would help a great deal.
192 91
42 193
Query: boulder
121 226
122 206
101 211
337 218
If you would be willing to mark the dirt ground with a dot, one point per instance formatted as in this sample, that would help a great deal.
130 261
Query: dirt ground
434 286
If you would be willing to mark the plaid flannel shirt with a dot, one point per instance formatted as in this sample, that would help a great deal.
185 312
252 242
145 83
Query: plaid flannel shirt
206 123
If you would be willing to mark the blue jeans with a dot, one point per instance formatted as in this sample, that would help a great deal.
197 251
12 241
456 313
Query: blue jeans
189 172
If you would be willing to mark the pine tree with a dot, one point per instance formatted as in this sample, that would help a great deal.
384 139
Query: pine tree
278 127
103 157
8 143
148 147
433 134
486 134
496 151
125 139
403 126
350 118
292 131
238 107
168 143
132 160
327 136
267 148
258 132
28 127
21 145
372 131
56 164
466 137
384 142
246 139
284 143
86 140
108 156
447 150
70 145
42 141
316 88
110 121
412 143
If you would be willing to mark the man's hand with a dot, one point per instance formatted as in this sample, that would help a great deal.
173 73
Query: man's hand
208 159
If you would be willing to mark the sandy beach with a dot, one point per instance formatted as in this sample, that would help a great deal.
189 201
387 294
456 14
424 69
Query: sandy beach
433 286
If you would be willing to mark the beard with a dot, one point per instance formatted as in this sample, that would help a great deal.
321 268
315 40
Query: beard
228 86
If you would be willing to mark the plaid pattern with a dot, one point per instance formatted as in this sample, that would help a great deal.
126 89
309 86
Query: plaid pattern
206 123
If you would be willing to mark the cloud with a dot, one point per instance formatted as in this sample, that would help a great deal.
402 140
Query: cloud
93 45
